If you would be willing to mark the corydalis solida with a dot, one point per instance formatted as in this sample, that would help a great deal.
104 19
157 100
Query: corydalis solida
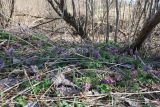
1 64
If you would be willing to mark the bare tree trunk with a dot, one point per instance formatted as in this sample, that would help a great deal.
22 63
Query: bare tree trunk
107 28
156 4
74 8
139 19
86 22
78 25
150 9
92 14
117 21
12 8
79 9
11 12
147 28
0 6
151 12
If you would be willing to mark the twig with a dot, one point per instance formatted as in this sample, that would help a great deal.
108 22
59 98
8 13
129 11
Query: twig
44 23
33 16
30 84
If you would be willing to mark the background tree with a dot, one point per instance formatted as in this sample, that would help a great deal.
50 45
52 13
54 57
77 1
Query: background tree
147 28
78 25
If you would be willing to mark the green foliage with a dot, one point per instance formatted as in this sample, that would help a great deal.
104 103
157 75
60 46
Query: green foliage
63 103
109 44
43 86
91 64
76 103
24 85
7 36
39 37
104 88
80 105
146 78
83 80
91 73
105 55
95 64
4 35
1 94
20 101
90 77
135 87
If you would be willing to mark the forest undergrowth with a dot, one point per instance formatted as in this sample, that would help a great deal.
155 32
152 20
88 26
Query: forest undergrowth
35 71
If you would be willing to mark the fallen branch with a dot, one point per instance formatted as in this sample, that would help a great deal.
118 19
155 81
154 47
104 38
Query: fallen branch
44 23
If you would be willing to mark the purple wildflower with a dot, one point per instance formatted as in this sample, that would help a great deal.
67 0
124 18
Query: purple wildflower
87 86
155 73
34 69
16 61
96 54
134 73
1 64
16 46
114 51
59 50
38 77
78 63
147 68
65 54
125 54
10 52
31 60
108 81
131 52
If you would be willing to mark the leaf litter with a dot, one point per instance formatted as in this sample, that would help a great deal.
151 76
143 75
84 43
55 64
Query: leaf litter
68 73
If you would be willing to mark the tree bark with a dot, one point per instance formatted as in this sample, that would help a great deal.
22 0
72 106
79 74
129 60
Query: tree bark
107 18
117 20
147 28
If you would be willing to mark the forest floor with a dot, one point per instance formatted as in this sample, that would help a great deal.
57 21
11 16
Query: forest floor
37 72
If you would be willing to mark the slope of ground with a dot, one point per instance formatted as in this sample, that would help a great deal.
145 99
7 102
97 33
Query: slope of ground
36 72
